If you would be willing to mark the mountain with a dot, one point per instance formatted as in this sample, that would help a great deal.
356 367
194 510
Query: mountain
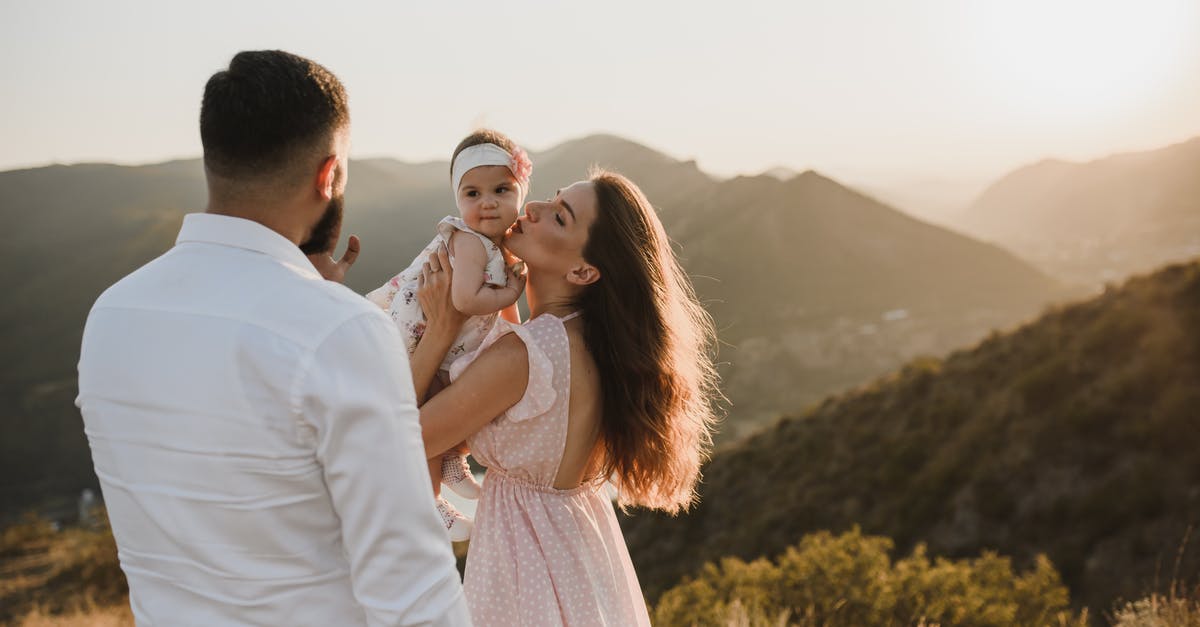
818 287
1097 221
814 286
1074 436
781 173
939 200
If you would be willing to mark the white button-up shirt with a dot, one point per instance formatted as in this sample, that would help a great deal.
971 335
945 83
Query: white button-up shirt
255 433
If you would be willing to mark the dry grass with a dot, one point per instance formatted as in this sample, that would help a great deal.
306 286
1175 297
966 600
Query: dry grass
1160 610
88 615
71 575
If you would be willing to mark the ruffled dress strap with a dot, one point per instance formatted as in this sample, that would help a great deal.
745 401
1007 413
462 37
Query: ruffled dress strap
494 272
540 392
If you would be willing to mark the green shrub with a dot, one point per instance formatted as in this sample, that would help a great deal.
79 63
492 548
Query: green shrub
850 580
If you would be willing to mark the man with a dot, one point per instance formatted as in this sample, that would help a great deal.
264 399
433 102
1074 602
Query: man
254 426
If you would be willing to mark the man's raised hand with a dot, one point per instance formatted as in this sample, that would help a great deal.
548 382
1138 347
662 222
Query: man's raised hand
336 270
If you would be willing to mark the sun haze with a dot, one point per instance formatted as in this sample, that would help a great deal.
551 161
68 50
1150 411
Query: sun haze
859 89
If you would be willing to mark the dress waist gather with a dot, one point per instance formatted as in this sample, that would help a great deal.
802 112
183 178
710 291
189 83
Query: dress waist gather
497 474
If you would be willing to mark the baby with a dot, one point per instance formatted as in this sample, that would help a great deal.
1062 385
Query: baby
490 178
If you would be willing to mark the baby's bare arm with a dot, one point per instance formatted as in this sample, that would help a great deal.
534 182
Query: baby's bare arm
511 314
470 293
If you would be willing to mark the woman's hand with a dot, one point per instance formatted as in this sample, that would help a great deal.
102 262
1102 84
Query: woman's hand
442 321
433 293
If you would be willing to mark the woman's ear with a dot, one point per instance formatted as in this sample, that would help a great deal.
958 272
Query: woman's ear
326 177
584 274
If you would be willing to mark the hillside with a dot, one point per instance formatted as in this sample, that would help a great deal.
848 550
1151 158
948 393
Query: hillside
1074 436
1096 221
814 287
819 287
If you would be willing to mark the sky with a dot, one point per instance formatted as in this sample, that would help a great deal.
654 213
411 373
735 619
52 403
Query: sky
864 90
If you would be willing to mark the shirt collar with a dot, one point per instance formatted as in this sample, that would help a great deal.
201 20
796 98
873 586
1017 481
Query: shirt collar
222 230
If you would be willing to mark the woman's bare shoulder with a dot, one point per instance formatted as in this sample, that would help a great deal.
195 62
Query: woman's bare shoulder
509 345
504 363
583 365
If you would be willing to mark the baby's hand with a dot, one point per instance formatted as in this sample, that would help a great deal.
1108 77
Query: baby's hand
517 276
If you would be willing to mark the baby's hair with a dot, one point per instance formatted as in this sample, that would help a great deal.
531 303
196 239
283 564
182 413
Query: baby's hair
483 136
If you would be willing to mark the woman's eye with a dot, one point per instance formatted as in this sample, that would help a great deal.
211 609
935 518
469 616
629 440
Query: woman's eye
558 219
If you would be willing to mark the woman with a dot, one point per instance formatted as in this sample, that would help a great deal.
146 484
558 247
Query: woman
610 379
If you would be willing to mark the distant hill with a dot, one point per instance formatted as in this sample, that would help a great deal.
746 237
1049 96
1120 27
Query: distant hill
814 286
1074 436
818 287
1096 221
781 173
938 200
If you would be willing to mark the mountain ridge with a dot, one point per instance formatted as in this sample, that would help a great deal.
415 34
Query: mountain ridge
1098 220
799 275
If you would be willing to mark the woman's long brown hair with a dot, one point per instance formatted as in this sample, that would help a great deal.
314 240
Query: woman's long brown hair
653 344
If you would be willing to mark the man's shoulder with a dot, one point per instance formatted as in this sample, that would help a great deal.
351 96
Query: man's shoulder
128 286
336 299
255 292
323 306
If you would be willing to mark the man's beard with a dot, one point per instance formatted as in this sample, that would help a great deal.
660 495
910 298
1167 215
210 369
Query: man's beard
325 234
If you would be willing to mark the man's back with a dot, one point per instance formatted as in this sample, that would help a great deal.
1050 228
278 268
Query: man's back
255 433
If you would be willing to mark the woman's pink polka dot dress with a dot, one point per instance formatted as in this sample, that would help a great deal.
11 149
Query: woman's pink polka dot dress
539 555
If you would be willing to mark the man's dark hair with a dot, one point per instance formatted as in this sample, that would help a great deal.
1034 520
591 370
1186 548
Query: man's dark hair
265 111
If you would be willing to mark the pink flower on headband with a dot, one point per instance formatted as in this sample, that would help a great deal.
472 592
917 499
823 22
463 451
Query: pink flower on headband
521 166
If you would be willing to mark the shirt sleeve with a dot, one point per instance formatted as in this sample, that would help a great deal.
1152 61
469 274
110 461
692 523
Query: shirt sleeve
357 394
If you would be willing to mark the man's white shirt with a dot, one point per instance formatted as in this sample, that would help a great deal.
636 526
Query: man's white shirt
255 433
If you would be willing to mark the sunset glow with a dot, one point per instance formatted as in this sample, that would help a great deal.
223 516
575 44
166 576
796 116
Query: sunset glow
868 91
1081 57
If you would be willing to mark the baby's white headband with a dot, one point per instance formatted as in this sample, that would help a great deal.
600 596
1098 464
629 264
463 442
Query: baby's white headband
491 154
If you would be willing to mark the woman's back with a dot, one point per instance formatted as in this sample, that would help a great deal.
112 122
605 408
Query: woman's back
580 458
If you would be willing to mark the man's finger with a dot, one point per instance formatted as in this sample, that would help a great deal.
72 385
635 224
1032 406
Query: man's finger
353 247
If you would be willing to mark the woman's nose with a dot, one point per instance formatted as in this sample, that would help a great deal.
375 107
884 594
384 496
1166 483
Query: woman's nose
531 210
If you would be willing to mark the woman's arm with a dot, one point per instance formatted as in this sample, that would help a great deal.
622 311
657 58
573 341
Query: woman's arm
442 321
472 295
495 381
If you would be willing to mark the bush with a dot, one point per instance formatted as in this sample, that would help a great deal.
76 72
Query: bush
851 580
1159 610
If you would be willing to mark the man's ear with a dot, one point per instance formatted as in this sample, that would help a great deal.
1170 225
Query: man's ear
584 274
326 175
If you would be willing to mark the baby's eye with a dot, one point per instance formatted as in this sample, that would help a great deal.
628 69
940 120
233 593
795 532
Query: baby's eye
472 194
501 189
